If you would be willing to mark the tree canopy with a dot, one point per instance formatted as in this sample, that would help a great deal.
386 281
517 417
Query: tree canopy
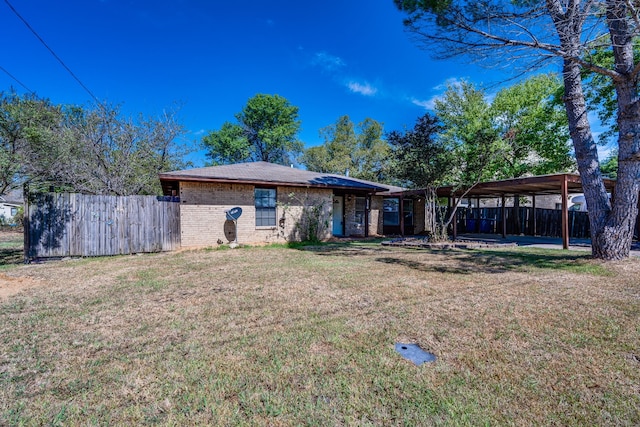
529 34
358 151
421 159
94 150
527 124
265 130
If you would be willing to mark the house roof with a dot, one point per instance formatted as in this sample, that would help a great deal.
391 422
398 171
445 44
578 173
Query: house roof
14 197
533 185
271 174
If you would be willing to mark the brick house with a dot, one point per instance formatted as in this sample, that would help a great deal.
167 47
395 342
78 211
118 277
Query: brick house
278 203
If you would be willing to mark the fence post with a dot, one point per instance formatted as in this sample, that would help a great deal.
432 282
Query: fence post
26 232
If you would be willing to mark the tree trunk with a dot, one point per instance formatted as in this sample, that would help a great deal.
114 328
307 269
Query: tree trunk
611 221
586 153
613 240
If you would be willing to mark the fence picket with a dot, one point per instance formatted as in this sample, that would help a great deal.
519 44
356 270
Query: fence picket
71 224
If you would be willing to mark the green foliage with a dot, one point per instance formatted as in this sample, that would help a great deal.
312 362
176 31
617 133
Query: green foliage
93 150
600 91
421 159
359 151
532 124
609 167
227 145
266 130
335 155
25 122
469 132
522 131
104 152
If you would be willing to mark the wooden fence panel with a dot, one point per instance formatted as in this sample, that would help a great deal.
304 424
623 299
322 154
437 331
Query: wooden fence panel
68 224
548 222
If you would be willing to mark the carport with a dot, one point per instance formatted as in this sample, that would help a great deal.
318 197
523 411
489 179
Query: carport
533 186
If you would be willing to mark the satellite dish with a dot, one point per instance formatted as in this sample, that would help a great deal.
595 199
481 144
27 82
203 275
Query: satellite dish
234 213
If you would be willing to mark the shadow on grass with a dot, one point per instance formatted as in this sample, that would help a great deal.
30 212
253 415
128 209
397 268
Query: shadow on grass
462 261
459 268
503 261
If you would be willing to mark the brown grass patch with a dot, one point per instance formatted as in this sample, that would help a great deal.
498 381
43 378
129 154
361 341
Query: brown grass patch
274 336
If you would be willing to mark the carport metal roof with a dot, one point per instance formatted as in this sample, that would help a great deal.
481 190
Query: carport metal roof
561 184
532 186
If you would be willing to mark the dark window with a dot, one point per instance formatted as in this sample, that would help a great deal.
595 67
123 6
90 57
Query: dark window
407 209
361 205
391 215
265 207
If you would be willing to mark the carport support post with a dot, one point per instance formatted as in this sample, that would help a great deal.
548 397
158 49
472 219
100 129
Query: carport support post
565 213
479 215
401 213
535 225
504 217
454 219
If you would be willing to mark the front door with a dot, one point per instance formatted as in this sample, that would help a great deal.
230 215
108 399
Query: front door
407 212
338 216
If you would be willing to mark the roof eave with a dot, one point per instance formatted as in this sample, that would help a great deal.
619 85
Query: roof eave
219 180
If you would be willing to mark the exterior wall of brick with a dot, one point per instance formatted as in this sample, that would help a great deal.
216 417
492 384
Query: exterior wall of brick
418 215
203 220
375 216
352 227
298 208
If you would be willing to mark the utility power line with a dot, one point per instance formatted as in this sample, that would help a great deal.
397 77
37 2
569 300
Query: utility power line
14 78
52 52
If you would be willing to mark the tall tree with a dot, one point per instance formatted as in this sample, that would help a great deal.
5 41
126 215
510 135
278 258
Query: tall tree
533 128
372 154
266 130
532 125
468 130
95 150
335 154
420 159
568 31
359 151
100 151
24 121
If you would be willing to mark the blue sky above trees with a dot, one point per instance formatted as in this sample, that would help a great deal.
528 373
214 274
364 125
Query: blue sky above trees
328 58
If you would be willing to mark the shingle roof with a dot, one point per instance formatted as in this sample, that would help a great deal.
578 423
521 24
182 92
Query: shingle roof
269 173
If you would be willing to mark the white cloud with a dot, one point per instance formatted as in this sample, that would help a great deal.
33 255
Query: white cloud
430 103
427 104
362 88
451 81
327 62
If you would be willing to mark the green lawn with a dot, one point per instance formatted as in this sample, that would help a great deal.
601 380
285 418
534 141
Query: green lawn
305 336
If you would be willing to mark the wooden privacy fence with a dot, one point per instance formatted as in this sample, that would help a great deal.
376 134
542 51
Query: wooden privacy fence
548 222
69 224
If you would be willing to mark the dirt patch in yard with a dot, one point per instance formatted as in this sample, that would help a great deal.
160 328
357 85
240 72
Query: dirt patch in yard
10 285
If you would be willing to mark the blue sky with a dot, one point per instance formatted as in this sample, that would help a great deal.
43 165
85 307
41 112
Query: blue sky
329 58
